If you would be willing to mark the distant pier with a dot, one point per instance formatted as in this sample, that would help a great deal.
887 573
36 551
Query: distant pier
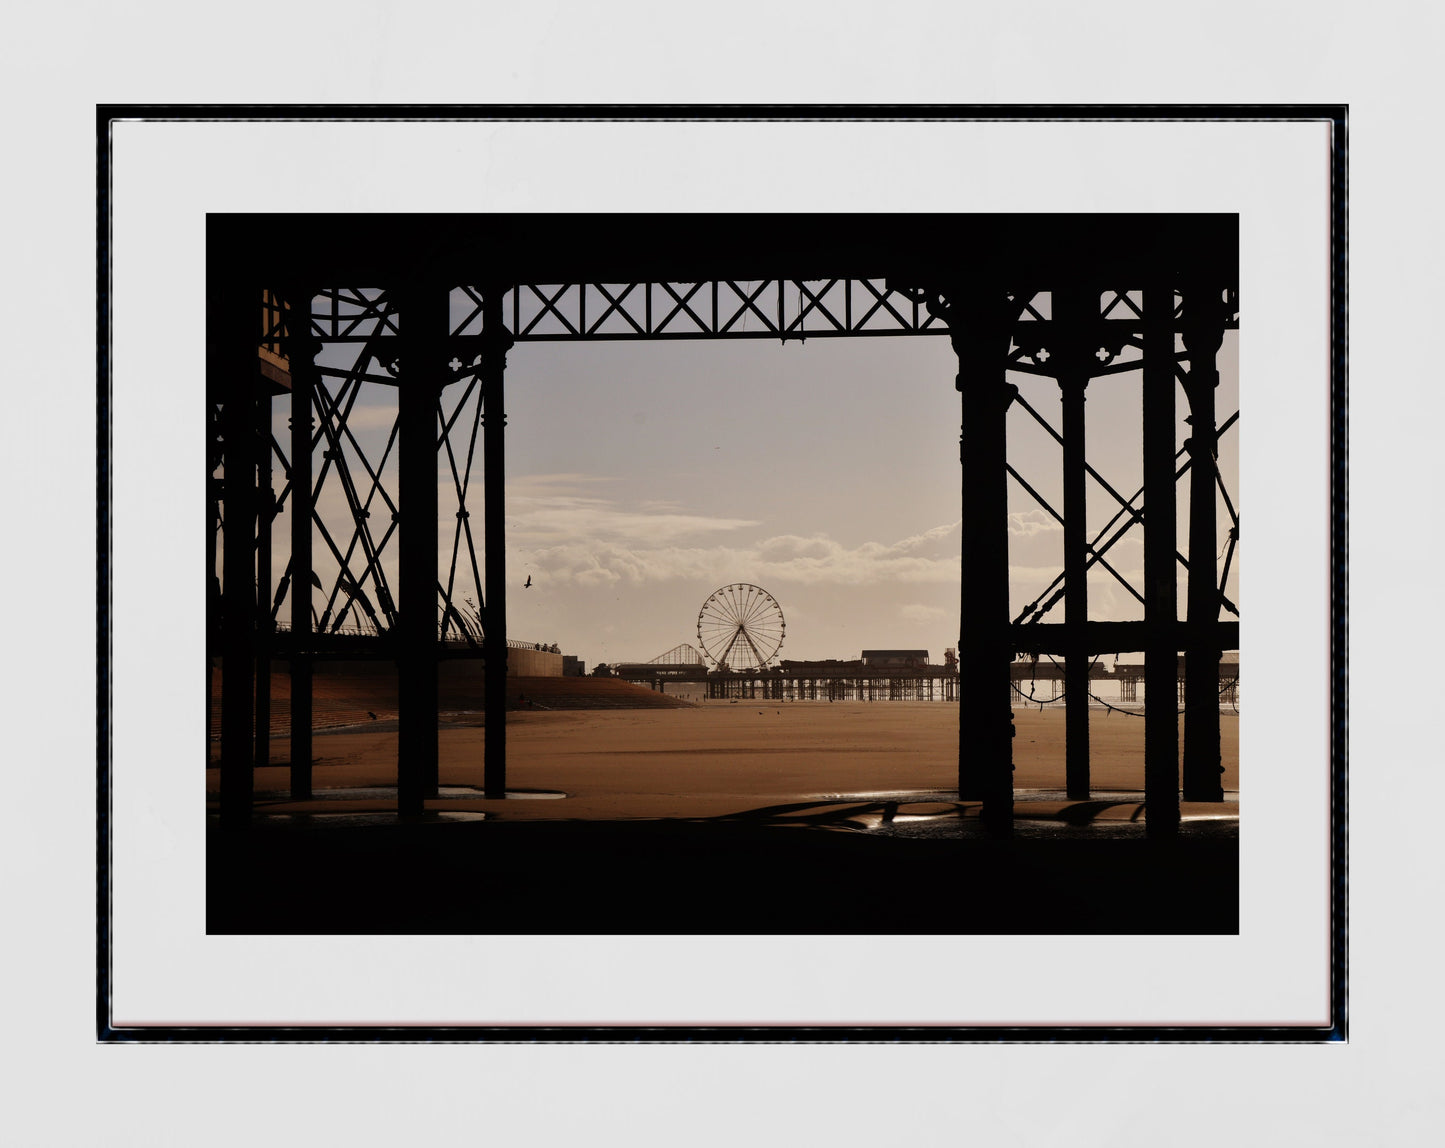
861 680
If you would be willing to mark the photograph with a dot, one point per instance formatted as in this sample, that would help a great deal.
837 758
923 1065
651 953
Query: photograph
723 574
766 597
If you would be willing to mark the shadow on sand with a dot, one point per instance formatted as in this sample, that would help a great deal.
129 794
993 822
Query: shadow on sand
724 876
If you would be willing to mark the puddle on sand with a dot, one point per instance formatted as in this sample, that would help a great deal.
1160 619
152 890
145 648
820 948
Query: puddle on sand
954 820
899 795
388 793
532 794
351 820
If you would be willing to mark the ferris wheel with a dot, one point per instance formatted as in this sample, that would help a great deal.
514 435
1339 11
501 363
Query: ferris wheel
740 627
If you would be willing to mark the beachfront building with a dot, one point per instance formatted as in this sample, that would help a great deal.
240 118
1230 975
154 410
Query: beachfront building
880 658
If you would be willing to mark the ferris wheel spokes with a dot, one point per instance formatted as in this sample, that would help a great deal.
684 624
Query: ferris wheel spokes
741 621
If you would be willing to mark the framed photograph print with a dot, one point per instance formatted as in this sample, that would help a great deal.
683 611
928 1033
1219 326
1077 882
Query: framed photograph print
686 573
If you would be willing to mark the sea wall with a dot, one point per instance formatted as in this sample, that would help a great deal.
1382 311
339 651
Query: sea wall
533 664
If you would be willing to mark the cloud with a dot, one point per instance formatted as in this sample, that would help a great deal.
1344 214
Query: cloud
917 612
563 525
554 507
789 547
540 484
594 518
596 576
640 549
598 562
935 534
1026 523
545 517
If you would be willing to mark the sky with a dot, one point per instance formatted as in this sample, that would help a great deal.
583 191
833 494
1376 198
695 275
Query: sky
642 476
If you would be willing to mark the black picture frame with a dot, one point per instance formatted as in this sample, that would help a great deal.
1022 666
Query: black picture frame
1336 1030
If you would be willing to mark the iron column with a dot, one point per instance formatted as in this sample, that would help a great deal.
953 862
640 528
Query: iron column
1203 330
981 321
1071 317
301 351
424 327
495 343
265 517
1161 578
234 368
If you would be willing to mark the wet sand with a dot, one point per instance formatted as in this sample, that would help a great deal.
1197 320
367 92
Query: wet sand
649 837
722 758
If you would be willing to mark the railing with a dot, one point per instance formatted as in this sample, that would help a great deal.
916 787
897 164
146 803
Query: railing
344 631
368 632
545 648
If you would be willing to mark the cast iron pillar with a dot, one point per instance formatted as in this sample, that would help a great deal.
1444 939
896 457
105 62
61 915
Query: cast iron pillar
1161 576
496 342
1073 309
424 309
981 321
233 326
1203 330
301 350
265 517
214 497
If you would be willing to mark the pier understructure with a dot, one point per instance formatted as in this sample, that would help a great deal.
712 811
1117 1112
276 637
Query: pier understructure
304 313
836 680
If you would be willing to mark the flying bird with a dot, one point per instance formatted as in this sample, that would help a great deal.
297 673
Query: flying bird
527 585
371 715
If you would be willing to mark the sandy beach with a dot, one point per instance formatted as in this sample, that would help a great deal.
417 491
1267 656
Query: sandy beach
721 818
721 758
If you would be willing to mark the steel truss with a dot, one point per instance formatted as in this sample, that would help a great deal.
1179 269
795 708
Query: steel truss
778 309
684 654
1115 345
707 309
360 595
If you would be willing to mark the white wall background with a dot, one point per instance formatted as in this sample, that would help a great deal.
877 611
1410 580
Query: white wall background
61 61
